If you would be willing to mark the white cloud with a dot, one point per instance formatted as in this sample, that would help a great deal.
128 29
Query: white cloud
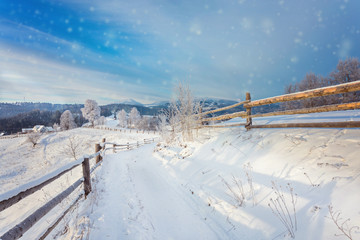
39 79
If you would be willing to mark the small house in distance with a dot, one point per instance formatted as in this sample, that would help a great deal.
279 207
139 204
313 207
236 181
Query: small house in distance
42 129
26 130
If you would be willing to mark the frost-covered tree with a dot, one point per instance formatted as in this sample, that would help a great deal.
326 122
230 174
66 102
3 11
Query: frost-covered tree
134 117
91 111
143 123
347 71
100 121
153 123
122 117
183 110
67 121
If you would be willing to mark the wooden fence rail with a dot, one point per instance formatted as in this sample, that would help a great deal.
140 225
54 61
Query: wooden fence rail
18 230
319 92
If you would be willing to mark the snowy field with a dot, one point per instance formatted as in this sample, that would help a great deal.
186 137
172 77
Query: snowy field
217 187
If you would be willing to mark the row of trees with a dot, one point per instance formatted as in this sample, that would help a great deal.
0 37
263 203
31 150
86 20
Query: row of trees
346 71
135 120
90 111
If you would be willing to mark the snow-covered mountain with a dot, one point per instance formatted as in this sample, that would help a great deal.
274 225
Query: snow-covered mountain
131 101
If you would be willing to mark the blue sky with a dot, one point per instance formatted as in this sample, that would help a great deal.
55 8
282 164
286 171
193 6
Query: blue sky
66 51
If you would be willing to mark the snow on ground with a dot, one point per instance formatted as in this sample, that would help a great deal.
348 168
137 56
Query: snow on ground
217 187
21 165
220 187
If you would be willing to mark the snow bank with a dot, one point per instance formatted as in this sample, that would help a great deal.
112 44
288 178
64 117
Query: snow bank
224 183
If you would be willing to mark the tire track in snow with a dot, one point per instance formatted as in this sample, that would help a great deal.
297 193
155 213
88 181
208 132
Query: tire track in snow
142 201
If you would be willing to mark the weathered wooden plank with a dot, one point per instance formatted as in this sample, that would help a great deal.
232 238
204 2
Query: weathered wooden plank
352 124
248 112
48 231
319 92
328 108
221 109
224 117
11 201
97 149
17 231
86 175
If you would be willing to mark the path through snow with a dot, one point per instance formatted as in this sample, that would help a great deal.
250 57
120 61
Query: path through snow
138 200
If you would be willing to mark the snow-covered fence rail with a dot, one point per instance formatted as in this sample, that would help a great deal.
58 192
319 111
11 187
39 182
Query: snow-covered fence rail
28 189
114 129
11 198
313 93
127 146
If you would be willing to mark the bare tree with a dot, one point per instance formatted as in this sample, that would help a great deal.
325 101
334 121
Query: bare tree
91 111
347 71
72 147
67 121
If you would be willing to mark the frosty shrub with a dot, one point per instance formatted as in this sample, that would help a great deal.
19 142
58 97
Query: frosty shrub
236 191
91 111
342 224
34 138
122 117
67 121
284 209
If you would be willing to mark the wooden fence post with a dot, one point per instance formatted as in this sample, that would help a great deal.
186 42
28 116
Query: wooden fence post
86 174
97 148
248 113
114 145
128 146
103 140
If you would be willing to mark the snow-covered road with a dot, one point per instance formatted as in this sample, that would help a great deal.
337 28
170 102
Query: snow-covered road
138 199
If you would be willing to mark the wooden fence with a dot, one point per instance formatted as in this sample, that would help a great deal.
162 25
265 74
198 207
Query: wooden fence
100 149
124 130
319 92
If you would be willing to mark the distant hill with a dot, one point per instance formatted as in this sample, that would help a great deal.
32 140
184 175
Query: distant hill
15 116
12 109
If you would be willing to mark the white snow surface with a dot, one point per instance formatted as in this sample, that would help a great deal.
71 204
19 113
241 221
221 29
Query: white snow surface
192 190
